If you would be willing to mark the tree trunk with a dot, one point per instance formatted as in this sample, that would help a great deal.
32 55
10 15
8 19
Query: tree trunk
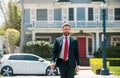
22 28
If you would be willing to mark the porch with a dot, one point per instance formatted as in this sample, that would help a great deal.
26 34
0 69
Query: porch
74 24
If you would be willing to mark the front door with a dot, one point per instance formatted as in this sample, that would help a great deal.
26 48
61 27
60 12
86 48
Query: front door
82 46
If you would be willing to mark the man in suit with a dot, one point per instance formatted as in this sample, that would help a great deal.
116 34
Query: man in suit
65 54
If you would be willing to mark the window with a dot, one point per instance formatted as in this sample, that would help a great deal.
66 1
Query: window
71 14
57 14
117 13
115 40
30 58
23 57
16 57
27 15
43 38
90 13
80 13
41 15
90 46
101 14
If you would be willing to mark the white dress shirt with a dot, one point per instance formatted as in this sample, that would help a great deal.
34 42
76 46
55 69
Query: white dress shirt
63 45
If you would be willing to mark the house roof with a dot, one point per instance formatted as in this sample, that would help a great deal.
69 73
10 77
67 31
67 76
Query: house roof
51 1
38 1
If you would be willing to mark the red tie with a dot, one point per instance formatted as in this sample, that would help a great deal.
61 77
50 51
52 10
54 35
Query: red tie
66 48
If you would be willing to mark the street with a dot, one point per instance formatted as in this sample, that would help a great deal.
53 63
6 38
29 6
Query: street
81 74
32 77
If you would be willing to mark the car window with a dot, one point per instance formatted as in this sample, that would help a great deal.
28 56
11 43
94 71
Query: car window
16 57
30 58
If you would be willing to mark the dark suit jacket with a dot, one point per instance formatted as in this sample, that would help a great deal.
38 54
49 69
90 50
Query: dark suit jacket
73 51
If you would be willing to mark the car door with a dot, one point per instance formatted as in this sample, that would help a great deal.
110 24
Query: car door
18 64
36 65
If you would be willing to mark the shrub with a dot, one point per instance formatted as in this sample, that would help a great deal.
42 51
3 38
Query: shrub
111 52
114 61
96 65
40 48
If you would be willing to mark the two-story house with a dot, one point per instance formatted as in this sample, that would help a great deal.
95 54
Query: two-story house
44 19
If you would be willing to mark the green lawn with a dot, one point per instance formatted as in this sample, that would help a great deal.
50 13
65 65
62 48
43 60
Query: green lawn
115 70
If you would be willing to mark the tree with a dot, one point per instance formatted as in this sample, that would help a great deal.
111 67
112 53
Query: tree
3 9
22 27
12 15
1 31
12 36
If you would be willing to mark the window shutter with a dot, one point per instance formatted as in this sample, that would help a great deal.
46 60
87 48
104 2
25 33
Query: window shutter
32 15
65 14
110 14
96 14
50 15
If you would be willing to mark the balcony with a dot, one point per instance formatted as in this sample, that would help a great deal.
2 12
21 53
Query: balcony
74 24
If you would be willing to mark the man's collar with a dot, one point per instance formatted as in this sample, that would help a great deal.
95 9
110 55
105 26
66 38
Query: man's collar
67 36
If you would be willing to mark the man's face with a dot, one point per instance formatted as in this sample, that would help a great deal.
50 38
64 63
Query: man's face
66 30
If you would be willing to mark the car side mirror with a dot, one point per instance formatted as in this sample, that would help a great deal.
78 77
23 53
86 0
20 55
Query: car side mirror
41 60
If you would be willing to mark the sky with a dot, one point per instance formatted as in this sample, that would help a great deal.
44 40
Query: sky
1 16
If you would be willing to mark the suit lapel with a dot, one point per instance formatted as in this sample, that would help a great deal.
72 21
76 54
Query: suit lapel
70 39
61 41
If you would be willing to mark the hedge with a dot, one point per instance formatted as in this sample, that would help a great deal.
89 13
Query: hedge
96 65
114 61
111 52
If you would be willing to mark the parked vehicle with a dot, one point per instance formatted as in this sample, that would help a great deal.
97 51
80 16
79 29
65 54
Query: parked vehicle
22 63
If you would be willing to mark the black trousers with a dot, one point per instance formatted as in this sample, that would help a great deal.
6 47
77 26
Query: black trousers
65 70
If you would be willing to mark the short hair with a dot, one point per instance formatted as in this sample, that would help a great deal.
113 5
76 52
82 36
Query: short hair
66 24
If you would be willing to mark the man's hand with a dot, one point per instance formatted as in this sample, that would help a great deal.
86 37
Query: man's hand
52 66
77 68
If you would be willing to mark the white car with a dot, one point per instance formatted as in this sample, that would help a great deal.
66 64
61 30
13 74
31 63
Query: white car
22 63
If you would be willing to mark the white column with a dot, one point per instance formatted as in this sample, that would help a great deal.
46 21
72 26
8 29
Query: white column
97 40
33 35
75 16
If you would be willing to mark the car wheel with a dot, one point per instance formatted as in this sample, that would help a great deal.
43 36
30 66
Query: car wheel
51 72
7 71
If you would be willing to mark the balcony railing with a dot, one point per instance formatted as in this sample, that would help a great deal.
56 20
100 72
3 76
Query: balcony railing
74 24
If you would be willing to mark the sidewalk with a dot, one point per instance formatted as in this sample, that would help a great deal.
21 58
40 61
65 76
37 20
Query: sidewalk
86 72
